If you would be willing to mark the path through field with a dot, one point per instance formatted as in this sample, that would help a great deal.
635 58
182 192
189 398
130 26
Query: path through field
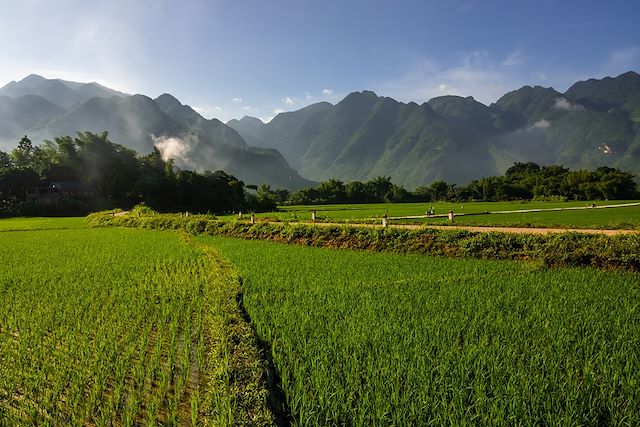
572 208
520 230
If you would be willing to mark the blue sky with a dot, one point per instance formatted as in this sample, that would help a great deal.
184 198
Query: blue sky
238 57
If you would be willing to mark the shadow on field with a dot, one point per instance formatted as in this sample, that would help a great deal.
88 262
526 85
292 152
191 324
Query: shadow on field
276 398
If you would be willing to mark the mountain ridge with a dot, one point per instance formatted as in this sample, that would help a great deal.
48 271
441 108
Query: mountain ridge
138 122
458 138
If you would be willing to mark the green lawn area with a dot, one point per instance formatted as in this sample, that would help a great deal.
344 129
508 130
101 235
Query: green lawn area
366 339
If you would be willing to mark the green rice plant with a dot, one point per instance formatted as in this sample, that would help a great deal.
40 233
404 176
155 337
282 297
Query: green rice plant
553 250
365 339
114 326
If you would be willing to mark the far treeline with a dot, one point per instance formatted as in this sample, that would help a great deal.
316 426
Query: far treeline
522 181
115 176
119 177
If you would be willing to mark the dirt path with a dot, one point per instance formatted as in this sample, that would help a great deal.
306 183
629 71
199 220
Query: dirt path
519 230
571 208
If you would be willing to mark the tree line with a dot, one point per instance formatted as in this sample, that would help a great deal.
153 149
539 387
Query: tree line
522 181
122 177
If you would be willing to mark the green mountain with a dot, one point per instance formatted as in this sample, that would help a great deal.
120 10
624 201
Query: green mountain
24 112
57 91
141 123
595 123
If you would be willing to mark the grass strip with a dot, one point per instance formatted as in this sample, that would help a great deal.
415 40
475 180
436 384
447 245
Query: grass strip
552 250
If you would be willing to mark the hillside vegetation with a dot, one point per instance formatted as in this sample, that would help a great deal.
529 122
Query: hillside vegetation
594 123
48 108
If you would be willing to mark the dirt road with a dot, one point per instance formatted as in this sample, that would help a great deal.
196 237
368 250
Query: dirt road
520 230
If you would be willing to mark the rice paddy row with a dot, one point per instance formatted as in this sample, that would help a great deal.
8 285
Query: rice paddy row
470 213
122 327
368 339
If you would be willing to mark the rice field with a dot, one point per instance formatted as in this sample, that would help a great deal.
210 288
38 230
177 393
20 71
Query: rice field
40 223
367 339
122 327
469 213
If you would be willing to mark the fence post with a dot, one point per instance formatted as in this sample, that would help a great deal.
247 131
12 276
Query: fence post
385 220
239 214
313 216
450 216
253 218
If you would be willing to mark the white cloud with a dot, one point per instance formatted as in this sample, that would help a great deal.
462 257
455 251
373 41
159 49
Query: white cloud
540 124
445 89
623 60
249 108
565 105
308 96
208 111
327 92
540 77
475 74
288 100
275 113
515 58
236 100
175 149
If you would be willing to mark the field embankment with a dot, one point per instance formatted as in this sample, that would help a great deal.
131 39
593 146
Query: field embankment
555 250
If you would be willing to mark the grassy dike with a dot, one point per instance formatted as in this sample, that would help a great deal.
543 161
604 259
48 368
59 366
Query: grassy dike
552 250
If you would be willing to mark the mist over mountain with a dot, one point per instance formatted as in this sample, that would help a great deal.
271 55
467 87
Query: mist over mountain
594 123
57 91
44 109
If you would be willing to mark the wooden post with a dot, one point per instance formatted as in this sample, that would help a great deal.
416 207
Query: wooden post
450 216
385 219
239 214
313 216
253 218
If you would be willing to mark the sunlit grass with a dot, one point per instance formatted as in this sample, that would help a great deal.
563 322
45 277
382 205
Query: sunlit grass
120 327
40 223
384 339
628 217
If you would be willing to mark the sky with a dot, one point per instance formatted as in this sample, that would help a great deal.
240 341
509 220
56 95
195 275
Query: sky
232 58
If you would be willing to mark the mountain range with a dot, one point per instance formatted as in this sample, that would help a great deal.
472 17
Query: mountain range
594 123
46 108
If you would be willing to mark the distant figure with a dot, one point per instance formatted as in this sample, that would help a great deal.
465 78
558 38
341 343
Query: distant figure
450 215
593 205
